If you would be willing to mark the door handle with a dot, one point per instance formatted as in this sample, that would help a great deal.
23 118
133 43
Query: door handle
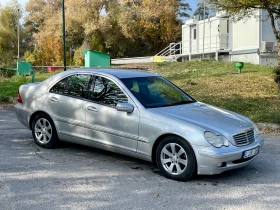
92 109
53 99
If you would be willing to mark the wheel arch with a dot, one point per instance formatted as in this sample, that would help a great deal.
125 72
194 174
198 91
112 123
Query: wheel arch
160 138
32 117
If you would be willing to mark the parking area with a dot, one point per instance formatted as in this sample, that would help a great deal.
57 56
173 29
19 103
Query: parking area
79 177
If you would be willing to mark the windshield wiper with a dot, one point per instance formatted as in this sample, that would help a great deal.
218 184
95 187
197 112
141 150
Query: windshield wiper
175 104
182 102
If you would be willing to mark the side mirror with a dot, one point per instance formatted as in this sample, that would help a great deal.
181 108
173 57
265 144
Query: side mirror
125 107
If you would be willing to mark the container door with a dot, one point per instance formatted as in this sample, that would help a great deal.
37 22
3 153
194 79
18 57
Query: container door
193 39
224 33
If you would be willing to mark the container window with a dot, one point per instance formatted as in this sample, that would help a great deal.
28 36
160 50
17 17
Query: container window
194 33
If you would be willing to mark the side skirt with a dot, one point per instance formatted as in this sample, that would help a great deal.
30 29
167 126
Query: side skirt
98 145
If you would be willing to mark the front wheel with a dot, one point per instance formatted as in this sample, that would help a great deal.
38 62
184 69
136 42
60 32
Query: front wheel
44 131
176 159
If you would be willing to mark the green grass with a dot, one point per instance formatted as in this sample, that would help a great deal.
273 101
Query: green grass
252 93
9 85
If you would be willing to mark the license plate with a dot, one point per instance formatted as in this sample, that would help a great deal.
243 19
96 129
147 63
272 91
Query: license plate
251 153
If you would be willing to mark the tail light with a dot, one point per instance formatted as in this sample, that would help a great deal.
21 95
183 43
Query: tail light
19 98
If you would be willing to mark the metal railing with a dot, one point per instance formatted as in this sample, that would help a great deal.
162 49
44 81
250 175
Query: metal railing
212 44
172 49
171 53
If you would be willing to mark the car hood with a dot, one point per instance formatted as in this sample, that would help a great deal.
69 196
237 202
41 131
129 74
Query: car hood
207 117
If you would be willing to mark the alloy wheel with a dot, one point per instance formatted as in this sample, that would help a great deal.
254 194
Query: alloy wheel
174 159
43 131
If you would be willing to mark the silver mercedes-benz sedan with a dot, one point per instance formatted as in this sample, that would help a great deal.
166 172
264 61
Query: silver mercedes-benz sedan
138 114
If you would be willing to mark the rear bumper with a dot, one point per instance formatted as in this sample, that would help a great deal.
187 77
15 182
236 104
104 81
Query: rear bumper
212 160
23 114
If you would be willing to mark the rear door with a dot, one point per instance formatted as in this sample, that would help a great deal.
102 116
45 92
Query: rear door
104 123
67 103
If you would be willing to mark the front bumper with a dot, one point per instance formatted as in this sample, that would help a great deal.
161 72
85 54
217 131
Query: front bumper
211 160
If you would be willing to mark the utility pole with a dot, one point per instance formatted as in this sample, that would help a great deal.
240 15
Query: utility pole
18 36
63 35
203 28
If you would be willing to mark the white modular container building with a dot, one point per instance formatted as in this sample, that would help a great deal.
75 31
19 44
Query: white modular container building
220 38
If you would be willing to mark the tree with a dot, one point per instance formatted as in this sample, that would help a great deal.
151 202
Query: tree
200 11
8 33
159 21
277 77
122 28
39 11
240 9
86 27
183 9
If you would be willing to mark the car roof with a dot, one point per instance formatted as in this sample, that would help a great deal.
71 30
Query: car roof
120 73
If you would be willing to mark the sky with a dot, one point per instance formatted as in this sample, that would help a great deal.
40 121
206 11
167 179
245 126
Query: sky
193 3
3 2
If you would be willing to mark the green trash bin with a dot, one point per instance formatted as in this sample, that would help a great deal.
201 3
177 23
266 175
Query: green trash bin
24 68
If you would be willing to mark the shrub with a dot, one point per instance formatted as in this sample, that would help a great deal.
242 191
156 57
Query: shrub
277 76
4 98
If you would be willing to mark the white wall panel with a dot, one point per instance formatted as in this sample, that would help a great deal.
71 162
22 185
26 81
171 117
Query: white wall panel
246 34
248 58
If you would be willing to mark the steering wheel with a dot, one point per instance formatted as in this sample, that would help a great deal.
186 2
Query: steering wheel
99 96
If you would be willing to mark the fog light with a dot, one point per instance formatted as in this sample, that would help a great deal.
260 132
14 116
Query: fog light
223 164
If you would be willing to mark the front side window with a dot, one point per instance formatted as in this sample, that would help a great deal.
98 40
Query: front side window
74 85
106 92
156 91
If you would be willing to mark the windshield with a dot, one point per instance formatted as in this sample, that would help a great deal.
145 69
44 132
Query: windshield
153 92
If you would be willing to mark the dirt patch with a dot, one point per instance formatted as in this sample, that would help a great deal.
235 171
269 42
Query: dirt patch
144 66
7 105
270 131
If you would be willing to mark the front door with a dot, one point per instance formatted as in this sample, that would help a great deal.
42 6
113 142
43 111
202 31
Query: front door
104 123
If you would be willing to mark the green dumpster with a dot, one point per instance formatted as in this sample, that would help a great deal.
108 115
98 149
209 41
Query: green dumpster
96 59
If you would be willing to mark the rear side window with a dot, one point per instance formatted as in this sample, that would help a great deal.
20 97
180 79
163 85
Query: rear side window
60 87
74 85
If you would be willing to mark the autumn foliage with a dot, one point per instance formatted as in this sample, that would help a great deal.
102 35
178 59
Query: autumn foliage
121 28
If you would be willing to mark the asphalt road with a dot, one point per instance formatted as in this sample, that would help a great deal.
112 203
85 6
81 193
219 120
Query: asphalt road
78 177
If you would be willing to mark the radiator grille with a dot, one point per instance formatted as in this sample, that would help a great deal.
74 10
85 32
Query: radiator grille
244 138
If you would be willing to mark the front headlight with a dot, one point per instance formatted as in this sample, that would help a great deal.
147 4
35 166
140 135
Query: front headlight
256 131
216 140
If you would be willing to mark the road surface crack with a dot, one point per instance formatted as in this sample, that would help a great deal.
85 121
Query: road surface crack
37 153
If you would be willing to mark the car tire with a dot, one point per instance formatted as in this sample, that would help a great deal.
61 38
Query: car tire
176 159
44 131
